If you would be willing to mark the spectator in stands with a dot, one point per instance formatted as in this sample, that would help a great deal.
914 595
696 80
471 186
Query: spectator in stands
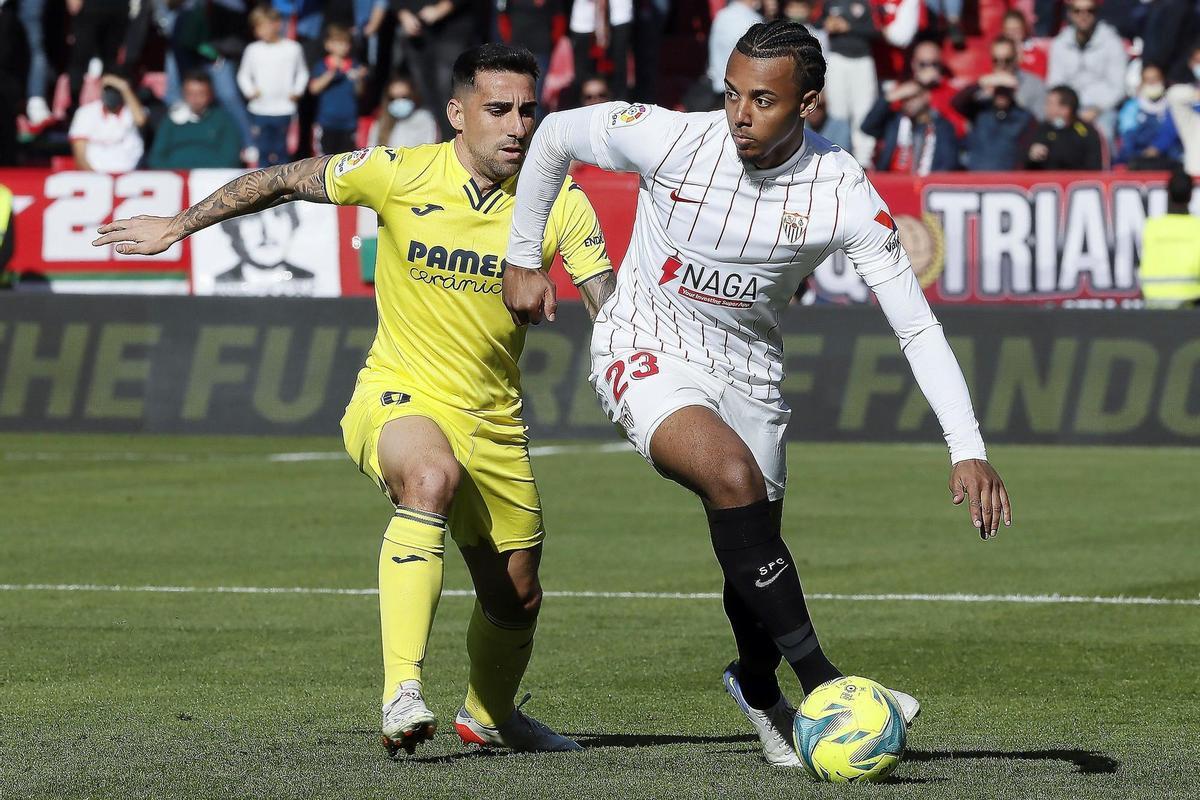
99 28
651 18
1032 58
37 110
1183 123
196 133
728 26
950 11
601 39
1170 30
594 91
337 81
10 109
1000 125
104 133
211 36
1029 89
1064 141
1089 56
835 131
403 122
802 11
1169 271
1141 120
850 76
1048 16
927 68
432 34
369 16
914 138
306 18
534 25
272 76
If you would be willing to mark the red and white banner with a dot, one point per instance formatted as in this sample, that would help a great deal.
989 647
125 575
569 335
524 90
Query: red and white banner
1031 238
300 249
1025 237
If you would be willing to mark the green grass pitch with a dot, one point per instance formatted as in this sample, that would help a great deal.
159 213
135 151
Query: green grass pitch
127 694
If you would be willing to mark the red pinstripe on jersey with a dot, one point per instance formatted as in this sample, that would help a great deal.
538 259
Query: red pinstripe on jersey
729 210
753 216
688 172
836 218
704 197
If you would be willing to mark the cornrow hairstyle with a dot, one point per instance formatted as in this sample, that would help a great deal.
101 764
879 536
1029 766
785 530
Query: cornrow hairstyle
786 39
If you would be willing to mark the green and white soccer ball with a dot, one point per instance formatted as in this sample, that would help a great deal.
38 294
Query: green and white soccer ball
848 730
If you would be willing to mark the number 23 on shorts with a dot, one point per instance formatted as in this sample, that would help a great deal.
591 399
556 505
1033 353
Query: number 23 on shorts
645 365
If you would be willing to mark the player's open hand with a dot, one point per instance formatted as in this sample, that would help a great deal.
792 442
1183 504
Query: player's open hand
529 295
141 235
976 481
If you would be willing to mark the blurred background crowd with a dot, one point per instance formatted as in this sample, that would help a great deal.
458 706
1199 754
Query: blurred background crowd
913 86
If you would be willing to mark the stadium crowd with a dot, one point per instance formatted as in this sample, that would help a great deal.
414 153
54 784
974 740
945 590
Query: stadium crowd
913 86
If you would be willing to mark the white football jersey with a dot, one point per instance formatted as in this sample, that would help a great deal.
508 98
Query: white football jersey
719 248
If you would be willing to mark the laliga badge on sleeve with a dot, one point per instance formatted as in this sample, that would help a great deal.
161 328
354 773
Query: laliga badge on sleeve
628 115
351 161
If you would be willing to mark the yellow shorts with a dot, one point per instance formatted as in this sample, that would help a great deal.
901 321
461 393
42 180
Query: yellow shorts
497 502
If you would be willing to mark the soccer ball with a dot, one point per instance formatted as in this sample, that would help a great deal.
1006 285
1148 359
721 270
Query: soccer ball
850 729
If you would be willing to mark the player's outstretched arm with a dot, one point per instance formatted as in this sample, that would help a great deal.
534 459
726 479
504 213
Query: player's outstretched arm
254 191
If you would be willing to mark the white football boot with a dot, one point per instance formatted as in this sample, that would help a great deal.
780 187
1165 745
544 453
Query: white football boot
520 733
407 721
909 706
773 725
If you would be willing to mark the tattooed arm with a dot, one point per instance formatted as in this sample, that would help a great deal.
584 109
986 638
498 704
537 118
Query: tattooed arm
596 290
254 191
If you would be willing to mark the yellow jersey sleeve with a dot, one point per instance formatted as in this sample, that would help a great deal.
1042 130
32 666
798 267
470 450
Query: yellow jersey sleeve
580 240
362 177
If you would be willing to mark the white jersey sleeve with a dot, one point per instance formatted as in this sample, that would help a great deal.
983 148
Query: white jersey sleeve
932 362
870 237
872 243
619 137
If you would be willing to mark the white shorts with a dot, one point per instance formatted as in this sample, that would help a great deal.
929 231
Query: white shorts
638 389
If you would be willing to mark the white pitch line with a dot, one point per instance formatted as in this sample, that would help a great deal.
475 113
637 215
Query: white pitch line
279 458
1029 599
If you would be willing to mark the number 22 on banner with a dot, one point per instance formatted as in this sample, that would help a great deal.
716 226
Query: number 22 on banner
646 365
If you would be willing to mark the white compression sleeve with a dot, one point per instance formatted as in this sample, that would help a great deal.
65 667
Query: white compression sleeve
933 363
562 137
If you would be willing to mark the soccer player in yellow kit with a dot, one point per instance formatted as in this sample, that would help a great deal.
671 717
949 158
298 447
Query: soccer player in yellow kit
435 416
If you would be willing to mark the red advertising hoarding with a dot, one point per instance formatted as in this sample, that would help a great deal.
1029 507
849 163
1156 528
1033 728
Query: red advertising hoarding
1029 238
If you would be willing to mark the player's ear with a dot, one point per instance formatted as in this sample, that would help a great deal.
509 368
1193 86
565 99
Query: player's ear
808 102
456 114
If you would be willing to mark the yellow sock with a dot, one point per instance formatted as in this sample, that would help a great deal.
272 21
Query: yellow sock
410 584
499 655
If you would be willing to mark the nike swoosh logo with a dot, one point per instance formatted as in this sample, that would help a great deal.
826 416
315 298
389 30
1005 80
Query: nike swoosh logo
764 584
675 196
407 559
428 209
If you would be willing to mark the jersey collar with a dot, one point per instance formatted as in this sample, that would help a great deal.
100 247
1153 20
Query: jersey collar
480 201
786 167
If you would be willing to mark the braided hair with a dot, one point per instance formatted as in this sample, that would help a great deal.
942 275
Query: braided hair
785 39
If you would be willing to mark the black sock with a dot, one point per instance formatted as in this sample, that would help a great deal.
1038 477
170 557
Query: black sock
759 567
758 657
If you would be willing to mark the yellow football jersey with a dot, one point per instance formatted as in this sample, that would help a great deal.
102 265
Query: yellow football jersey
443 327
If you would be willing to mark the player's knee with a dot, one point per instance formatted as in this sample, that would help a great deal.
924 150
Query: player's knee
530 600
737 482
430 486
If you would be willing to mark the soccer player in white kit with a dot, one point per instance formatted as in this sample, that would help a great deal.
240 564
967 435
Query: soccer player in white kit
734 210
